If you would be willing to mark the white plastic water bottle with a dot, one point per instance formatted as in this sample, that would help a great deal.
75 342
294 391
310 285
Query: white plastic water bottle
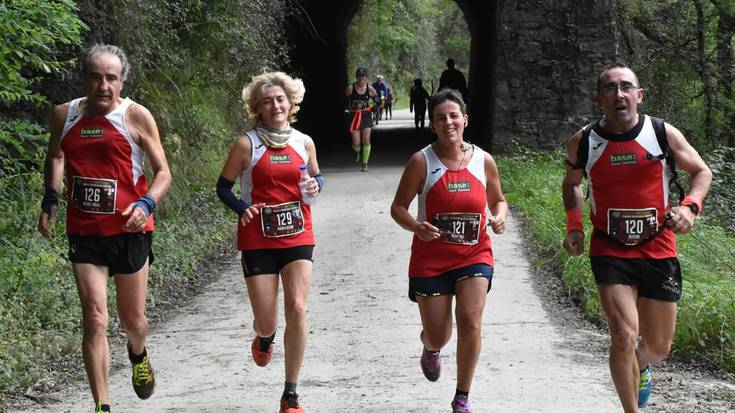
302 185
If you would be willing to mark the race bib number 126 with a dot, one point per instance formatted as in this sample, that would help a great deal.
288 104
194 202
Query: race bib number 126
94 195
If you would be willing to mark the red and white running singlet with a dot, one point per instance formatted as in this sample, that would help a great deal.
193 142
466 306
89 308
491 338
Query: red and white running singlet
629 191
455 201
104 171
273 178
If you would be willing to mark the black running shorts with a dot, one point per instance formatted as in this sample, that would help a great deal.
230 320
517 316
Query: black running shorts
124 253
445 283
271 261
657 279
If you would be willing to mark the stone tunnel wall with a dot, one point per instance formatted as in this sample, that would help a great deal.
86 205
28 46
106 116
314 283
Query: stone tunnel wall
549 56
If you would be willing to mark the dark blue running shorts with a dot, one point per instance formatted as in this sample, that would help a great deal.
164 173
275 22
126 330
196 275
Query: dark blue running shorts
444 284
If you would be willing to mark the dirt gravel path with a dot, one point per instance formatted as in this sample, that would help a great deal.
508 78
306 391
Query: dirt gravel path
363 351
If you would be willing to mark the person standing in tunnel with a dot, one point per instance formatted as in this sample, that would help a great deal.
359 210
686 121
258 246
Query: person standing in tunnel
628 160
451 253
360 121
389 102
452 78
101 141
417 104
274 230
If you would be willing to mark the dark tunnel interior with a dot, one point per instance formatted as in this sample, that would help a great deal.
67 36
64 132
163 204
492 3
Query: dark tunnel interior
319 48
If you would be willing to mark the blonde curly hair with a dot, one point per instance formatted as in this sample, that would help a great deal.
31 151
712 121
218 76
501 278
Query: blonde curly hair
251 93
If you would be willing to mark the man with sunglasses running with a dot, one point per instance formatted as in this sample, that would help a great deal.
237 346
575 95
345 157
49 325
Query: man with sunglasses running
633 245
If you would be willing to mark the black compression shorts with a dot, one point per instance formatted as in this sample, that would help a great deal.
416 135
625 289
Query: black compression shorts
271 261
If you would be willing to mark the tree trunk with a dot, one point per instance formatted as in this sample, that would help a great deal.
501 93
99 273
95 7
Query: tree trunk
703 70
725 29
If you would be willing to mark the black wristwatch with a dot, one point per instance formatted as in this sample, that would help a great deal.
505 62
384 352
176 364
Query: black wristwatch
694 208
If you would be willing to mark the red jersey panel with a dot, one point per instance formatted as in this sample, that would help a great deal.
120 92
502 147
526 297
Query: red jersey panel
104 171
627 179
455 202
272 178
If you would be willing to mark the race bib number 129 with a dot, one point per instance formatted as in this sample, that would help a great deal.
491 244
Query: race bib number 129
282 220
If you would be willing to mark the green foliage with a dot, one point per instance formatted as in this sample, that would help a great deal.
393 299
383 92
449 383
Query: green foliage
407 39
30 32
706 316
21 146
31 29
721 198
681 77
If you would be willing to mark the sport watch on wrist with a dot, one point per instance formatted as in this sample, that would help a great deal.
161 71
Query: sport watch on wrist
694 208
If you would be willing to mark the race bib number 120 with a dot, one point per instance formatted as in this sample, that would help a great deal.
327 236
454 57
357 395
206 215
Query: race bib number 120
632 226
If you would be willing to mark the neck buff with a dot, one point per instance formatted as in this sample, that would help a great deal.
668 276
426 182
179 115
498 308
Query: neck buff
273 138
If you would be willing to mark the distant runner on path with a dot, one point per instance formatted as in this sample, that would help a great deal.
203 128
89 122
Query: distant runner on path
451 254
101 141
274 232
627 159
360 120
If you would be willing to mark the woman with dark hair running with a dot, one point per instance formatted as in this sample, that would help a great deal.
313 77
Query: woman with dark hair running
451 254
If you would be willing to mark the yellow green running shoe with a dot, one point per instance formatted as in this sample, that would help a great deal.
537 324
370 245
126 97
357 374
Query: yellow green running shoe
101 408
144 380
645 386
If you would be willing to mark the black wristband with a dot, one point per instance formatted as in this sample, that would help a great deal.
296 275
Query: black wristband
224 193
50 200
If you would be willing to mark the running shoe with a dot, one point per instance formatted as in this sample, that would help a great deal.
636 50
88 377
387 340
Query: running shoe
431 365
460 404
364 167
262 351
645 386
98 408
144 380
290 403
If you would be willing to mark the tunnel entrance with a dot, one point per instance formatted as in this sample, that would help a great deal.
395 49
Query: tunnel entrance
318 36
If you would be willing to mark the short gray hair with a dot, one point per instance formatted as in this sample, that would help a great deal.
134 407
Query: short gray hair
99 49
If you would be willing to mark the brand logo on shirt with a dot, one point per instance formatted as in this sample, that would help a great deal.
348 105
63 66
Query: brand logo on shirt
91 133
618 159
436 170
596 147
463 186
280 158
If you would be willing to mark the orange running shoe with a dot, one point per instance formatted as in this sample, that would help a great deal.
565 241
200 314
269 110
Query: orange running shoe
290 403
262 351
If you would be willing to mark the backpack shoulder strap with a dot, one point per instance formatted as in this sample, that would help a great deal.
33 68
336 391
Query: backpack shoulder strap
659 126
582 149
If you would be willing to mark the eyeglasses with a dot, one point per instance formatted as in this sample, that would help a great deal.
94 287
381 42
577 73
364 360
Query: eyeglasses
612 89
